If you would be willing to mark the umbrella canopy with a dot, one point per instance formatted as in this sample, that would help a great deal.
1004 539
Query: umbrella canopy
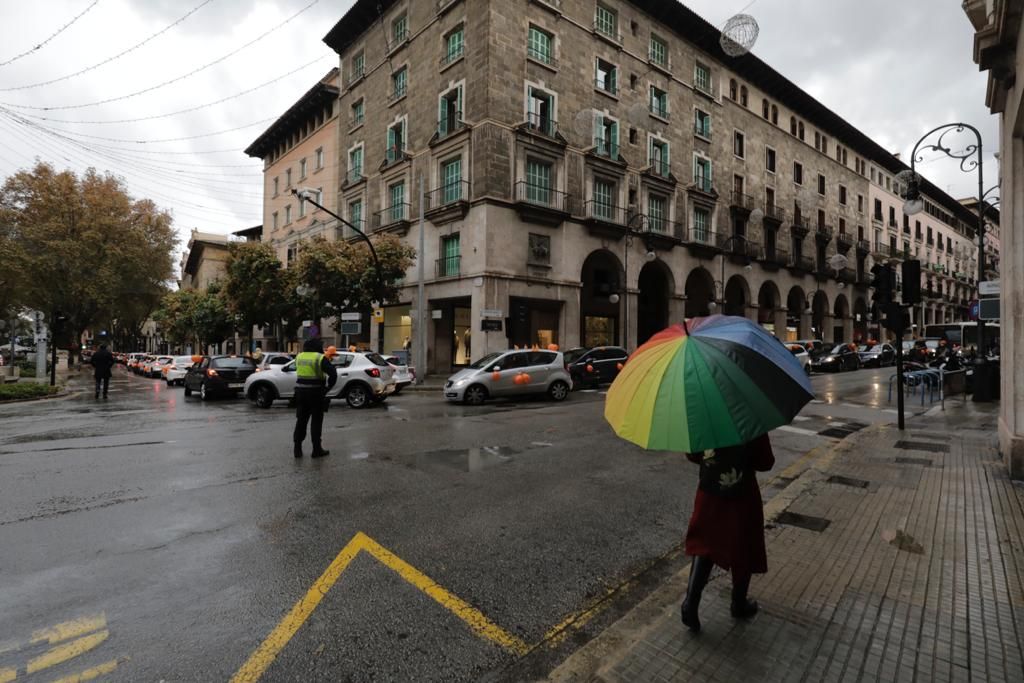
708 383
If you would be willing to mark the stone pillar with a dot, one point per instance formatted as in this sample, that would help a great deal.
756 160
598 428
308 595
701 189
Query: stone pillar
805 325
676 309
630 320
828 329
752 313
780 315
569 325
848 328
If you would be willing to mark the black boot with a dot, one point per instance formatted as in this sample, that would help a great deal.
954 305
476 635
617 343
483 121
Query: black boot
298 449
319 452
700 571
742 607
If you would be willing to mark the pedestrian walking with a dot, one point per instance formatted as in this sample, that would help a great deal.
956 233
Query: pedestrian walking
315 375
102 361
727 525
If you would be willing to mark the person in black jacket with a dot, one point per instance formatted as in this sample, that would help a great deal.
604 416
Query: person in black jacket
315 375
102 361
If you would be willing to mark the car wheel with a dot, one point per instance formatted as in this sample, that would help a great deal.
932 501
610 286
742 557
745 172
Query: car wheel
558 391
475 395
204 395
357 396
397 391
188 391
807 370
264 396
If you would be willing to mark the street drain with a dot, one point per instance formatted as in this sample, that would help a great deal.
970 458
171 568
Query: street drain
848 481
835 432
914 461
922 446
803 521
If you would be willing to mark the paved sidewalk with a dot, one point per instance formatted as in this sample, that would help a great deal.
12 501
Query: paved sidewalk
918 575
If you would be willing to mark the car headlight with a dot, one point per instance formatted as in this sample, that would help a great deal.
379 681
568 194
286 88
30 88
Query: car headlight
831 358
460 383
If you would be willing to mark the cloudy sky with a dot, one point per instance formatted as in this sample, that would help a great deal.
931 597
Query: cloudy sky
893 69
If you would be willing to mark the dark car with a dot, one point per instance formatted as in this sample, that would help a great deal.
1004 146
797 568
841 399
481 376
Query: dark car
876 355
596 366
218 376
815 347
841 357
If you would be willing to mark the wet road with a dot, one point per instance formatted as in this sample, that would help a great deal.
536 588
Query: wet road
155 537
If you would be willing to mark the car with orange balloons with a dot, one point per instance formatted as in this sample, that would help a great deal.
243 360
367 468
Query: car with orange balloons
512 373
590 368
364 378
174 372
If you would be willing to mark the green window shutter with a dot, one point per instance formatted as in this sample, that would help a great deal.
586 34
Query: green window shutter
538 182
442 116
613 143
599 140
452 174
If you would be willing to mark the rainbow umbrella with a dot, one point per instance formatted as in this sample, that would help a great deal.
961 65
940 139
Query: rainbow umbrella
708 383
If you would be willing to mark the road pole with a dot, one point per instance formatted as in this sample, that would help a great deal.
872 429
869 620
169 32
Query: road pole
899 373
421 312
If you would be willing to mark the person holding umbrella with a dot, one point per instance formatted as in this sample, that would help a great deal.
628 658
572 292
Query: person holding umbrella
713 388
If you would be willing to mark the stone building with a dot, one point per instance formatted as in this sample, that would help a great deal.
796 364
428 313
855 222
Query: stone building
592 171
204 260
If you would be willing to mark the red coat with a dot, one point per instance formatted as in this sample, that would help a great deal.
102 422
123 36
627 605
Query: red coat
731 530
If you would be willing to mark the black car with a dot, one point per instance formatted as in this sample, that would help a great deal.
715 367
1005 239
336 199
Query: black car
218 375
596 366
841 357
876 355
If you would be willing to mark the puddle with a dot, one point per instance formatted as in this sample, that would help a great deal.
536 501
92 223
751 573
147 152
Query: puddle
362 455
466 460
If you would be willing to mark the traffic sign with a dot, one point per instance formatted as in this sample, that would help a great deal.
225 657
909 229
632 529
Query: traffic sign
351 316
988 309
973 311
491 313
378 314
989 288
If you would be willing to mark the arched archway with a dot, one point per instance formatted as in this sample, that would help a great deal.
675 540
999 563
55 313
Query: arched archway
820 316
768 304
860 319
737 296
796 302
601 299
842 324
699 292
656 287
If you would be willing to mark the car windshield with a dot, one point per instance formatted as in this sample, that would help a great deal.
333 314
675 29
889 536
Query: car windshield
932 343
483 362
233 363
377 359
164 359
796 349
869 347
572 355
837 349
183 360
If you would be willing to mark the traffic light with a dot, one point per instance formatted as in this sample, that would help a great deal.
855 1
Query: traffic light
911 282
882 278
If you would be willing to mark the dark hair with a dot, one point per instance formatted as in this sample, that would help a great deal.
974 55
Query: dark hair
315 344
103 346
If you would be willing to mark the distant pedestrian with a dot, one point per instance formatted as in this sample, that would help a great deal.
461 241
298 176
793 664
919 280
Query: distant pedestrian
315 375
727 525
257 355
102 361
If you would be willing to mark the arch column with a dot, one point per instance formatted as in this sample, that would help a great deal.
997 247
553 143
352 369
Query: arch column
848 328
779 315
828 328
805 325
752 313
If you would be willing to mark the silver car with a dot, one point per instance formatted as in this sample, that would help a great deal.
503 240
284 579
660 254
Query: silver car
363 378
174 373
495 375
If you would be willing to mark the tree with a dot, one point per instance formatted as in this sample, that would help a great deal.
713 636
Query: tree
254 285
211 319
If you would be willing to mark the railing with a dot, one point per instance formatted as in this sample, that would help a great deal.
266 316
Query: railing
878 217
543 195
776 255
657 225
824 231
399 39
863 245
660 167
881 249
610 32
396 213
847 275
802 223
452 56
702 183
397 94
802 262
605 84
705 87
605 212
343 232
355 175
918 236
702 129
893 223
706 236
449 193
542 124
609 150
542 57
354 121
659 110
449 266
774 212
743 201
656 59
394 154
355 77
741 246
450 124
844 237
441 4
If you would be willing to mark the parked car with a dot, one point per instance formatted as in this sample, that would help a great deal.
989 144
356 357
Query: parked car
218 375
876 355
174 372
156 368
841 357
133 360
815 347
495 375
404 375
273 358
800 352
363 378
596 366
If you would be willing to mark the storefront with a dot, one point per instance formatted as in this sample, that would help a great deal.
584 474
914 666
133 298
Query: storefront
398 330
453 335
533 322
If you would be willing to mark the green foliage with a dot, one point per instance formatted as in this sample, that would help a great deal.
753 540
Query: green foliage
195 317
254 285
23 390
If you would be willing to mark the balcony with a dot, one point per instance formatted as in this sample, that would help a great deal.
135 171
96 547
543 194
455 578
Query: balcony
801 265
448 126
394 219
800 227
704 243
659 168
844 241
658 61
608 31
443 5
881 251
397 40
741 250
823 233
355 77
397 94
343 232
741 203
703 184
847 275
542 57
774 214
894 224
449 266
606 85
604 219
394 155
606 150
451 57
355 121
660 110
774 257
659 232
447 203
863 247
354 176
918 236
702 129
541 204
704 87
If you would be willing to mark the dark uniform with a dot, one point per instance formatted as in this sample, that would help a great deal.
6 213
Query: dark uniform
102 361
315 375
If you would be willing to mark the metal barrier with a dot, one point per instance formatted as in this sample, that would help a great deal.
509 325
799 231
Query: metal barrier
929 381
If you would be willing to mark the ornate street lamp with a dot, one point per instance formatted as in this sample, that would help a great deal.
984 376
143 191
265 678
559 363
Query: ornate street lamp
738 239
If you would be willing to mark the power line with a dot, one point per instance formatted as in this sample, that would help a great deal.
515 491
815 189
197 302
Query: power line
189 109
173 80
52 35
149 142
117 56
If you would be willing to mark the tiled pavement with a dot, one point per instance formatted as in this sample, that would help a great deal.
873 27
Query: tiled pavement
918 575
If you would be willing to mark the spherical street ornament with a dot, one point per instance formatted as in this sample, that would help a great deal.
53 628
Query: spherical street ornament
757 215
650 256
905 176
838 261
739 35
614 298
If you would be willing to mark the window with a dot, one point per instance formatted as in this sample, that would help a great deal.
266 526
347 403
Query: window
396 142
656 213
287 178
792 125
743 95
701 220
606 137
860 203
821 185
454 45
292 254
302 207
878 209
769 159
842 226
275 186
355 164
449 116
606 21
399 81
842 195
451 175
702 124
765 109
319 156
702 78
817 140
541 111
357 112
355 213
659 102
605 78
539 45
702 173
274 220
659 158
302 168
824 144
604 198
798 173
659 53
399 29
800 130
288 214
732 89
538 181
769 199
396 195
450 256
737 144
892 216
775 115
358 66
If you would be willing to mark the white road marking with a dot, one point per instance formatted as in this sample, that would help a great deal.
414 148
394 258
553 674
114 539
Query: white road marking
542 444
892 411
801 418
934 411
797 430
817 401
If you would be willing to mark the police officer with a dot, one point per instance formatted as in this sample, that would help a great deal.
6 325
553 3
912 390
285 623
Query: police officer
315 375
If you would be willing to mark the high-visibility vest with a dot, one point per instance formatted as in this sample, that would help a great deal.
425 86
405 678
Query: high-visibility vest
308 366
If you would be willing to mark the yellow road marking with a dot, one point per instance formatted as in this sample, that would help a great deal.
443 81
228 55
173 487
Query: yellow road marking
797 466
91 673
8 675
62 653
70 629
300 612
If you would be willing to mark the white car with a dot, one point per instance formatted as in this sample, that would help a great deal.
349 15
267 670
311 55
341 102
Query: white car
156 368
174 372
273 358
511 373
404 375
801 355
363 378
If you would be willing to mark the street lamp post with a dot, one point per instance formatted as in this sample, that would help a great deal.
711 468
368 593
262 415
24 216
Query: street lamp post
739 239
307 194
614 298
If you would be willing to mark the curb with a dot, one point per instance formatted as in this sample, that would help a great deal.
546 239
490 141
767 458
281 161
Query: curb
60 394
586 664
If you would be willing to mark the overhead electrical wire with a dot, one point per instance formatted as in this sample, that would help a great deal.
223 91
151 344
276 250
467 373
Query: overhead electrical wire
117 56
52 36
161 140
173 80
